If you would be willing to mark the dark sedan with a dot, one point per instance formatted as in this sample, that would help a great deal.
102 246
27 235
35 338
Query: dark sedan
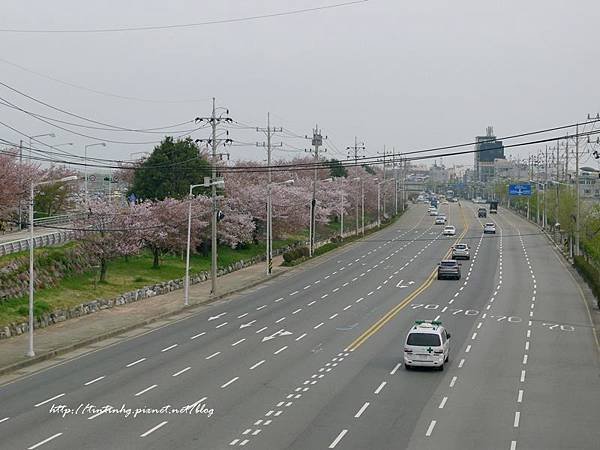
448 269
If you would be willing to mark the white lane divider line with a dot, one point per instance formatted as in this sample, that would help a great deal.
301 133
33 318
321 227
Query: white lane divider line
176 374
395 369
513 445
317 326
312 303
300 337
4 420
468 349
381 386
333 316
361 410
522 376
233 380
430 428
280 350
347 307
242 316
257 364
280 320
338 439
44 441
517 418
166 349
443 403
324 295
279 299
238 342
453 381
297 311
520 396
143 391
136 362
461 363
198 335
294 293
92 381
306 287
49 400
261 330
152 430
213 355
222 325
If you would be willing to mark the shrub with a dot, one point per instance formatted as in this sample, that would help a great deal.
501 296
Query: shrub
295 254
590 275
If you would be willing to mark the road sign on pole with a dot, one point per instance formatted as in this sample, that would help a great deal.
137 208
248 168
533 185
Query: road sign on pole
522 190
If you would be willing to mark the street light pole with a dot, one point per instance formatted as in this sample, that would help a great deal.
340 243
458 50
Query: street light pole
30 351
85 183
578 214
186 294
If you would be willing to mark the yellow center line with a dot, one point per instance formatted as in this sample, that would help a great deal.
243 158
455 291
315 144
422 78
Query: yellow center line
406 301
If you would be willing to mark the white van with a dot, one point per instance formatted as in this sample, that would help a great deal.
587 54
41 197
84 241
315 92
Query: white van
427 345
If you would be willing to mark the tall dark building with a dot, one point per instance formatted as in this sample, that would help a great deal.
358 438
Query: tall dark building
487 149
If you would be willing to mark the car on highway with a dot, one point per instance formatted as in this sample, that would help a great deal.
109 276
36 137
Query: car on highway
449 230
489 228
433 212
427 345
461 251
440 220
482 212
448 269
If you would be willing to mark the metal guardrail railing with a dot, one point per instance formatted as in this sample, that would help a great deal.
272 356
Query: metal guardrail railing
44 240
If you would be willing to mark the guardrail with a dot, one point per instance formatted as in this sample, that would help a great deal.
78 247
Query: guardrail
44 240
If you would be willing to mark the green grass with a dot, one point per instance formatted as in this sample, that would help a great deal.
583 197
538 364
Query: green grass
124 274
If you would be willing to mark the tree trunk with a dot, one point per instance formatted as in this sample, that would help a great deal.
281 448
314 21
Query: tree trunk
103 268
156 253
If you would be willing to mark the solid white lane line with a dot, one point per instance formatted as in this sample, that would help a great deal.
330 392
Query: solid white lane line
166 349
520 396
257 364
395 369
143 391
517 418
44 441
222 325
297 311
338 439
198 335
361 410
135 362
49 400
430 429
152 430
280 350
233 380
176 374
4 420
94 380
381 386
261 330
213 355
453 381
238 342
461 363
443 403
300 337
317 326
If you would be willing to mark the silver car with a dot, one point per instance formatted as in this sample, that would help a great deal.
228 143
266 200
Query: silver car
461 251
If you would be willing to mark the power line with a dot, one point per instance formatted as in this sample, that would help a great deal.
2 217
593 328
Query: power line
186 25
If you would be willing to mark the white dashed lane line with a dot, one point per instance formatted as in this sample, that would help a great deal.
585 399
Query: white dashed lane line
338 439
233 380
94 380
136 362
49 400
198 335
381 386
143 391
152 430
176 374
39 444
166 349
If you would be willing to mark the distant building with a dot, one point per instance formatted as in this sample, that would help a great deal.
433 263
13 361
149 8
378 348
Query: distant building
487 150
438 174
589 183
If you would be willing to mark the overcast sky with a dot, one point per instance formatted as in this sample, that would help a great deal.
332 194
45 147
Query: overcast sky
408 75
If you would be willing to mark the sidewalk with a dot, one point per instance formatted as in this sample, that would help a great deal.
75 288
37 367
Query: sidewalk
127 320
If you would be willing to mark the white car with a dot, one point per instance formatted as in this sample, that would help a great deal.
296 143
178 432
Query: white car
433 212
440 220
449 230
427 344
489 228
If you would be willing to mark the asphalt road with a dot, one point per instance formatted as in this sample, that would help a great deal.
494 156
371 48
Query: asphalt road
312 360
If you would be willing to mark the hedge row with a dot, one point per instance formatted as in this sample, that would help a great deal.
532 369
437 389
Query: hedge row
590 275
295 254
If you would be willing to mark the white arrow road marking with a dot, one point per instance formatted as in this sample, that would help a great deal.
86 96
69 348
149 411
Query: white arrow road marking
281 332
216 317
400 283
411 282
244 325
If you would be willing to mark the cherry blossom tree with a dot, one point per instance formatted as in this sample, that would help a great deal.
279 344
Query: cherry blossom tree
15 179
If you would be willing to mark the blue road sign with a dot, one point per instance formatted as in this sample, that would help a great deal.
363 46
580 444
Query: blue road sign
519 189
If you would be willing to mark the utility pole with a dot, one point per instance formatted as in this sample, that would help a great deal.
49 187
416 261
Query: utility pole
269 222
353 153
394 165
20 183
578 217
556 213
317 141
214 121
385 153
544 216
